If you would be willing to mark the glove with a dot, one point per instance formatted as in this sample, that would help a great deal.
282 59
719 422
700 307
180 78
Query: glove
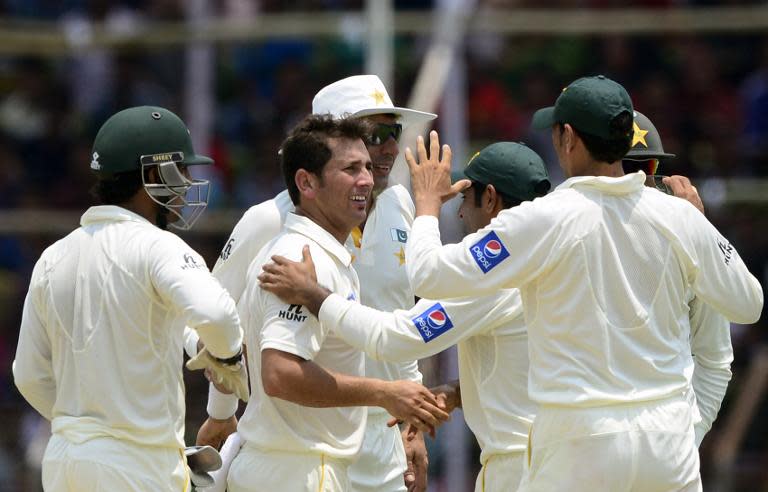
230 376
228 453
201 460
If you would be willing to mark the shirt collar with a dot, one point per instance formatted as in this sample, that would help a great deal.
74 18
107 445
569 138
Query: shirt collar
307 227
109 213
628 183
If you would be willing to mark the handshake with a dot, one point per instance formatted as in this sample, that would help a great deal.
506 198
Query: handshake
227 374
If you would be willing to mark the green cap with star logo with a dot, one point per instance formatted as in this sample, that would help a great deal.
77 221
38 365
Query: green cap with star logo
141 131
588 104
512 168
646 142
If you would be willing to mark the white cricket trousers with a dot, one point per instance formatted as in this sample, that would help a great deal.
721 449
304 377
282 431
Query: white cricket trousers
638 447
255 470
109 464
380 464
501 472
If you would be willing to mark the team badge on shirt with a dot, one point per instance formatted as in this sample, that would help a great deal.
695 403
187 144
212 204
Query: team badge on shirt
433 322
489 252
399 235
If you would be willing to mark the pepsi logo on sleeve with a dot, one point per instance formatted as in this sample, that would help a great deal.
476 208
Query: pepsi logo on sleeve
433 322
489 252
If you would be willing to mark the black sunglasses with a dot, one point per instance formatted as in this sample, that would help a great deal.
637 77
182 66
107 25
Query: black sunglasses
382 131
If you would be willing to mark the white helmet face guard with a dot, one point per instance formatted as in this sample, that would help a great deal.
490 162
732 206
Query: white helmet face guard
183 197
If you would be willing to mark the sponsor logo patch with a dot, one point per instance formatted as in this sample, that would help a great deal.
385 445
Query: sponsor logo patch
227 249
726 249
433 322
489 252
293 313
190 262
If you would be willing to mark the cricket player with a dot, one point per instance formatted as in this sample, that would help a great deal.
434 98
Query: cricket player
710 331
100 345
305 423
377 246
604 265
489 330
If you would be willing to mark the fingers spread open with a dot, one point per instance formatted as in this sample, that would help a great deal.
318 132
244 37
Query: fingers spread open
434 146
421 150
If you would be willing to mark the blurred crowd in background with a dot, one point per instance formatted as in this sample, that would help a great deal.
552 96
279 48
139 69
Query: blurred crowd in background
706 94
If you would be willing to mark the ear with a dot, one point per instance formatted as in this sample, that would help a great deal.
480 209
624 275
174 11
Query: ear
569 138
307 183
490 197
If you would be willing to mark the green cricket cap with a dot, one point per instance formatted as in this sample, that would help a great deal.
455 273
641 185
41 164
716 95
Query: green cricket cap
512 168
589 104
142 131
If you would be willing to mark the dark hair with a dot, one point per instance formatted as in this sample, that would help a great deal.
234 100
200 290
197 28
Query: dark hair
118 188
616 146
307 146
506 201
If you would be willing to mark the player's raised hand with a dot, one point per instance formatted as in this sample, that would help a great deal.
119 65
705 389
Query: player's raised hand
413 404
294 282
431 176
214 432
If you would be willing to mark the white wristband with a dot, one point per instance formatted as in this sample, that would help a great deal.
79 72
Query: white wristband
220 406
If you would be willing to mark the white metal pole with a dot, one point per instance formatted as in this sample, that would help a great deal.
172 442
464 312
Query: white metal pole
198 84
379 58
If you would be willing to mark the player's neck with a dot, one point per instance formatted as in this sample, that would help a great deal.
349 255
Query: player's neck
141 204
612 170
317 216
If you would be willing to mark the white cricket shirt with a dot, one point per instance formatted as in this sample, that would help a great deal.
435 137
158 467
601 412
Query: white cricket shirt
493 355
258 225
379 260
100 346
275 424
604 266
712 357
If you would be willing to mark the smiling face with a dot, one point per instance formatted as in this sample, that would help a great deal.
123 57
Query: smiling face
382 155
344 187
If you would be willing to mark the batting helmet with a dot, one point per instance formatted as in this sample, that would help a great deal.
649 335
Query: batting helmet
646 143
646 150
147 137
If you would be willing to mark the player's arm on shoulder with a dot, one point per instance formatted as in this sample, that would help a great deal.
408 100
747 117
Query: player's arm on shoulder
426 329
719 275
32 367
518 244
181 278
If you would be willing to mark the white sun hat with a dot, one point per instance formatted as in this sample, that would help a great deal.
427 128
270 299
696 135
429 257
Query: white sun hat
363 95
